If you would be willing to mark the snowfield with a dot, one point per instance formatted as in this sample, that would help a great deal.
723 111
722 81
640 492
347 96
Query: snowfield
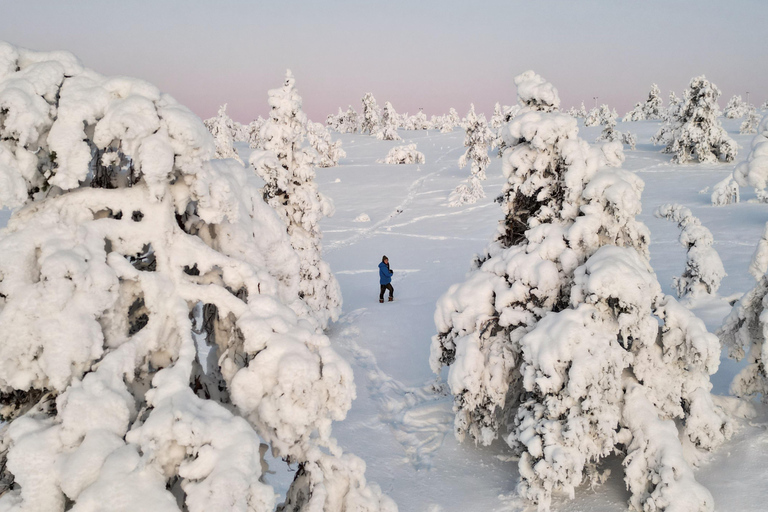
401 423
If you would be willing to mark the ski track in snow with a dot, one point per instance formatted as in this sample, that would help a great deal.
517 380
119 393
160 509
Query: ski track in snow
420 417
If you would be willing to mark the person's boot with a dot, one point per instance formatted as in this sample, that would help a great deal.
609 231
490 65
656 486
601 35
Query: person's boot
391 298
381 301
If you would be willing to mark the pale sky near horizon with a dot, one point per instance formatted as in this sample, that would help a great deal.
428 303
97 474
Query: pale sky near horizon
430 54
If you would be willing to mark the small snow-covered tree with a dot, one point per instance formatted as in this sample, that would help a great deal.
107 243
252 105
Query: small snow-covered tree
371 117
290 189
750 123
497 119
388 130
407 154
725 192
735 108
592 118
745 330
560 338
636 114
221 129
350 121
128 240
704 269
327 149
418 121
652 108
254 133
693 131
628 139
334 121
607 119
478 140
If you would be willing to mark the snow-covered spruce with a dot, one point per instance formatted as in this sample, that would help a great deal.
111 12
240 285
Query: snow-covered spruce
592 118
407 154
735 108
560 338
629 139
478 140
649 109
327 149
607 119
253 133
221 127
371 118
126 240
450 121
750 122
636 114
287 168
703 269
744 330
349 121
725 192
388 130
692 130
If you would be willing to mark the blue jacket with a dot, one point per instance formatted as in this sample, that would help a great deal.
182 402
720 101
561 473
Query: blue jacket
385 275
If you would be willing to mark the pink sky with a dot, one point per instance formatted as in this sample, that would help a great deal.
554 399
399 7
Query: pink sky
429 54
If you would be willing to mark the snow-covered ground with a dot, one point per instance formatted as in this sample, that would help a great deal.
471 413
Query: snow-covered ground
401 423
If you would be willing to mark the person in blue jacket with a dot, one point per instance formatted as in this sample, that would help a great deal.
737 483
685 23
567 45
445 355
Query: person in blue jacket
385 279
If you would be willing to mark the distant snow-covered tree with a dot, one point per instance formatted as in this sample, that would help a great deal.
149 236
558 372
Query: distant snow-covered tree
388 130
419 121
693 131
636 114
254 133
406 154
221 129
607 119
327 149
703 270
750 123
652 108
453 118
129 238
478 140
334 121
497 119
560 338
350 122
592 118
288 171
735 108
371 117
628 139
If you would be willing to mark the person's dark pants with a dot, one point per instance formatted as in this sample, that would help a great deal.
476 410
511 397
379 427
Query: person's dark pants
386 287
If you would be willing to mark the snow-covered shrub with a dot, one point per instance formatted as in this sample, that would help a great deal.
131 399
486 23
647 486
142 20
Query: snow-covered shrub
129 238
388 130
418 121
725 192
371 118
750 123
703 269
478 140
629 139
221 129
692 130
735 108
744 330
288 172
592 118
406 154
327 149
560 338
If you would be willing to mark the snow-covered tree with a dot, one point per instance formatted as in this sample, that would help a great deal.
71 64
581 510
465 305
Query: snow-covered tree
744 331
497 119
750 123
327 149
128 241
371 118
725 192
636 114
735 108
703 269
478 140
560 338
592 118
221 129
407 154
628 139
693 131
607 119
582 112
388 130
349 122
653 109
418 121
288 171
333 121
253 133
